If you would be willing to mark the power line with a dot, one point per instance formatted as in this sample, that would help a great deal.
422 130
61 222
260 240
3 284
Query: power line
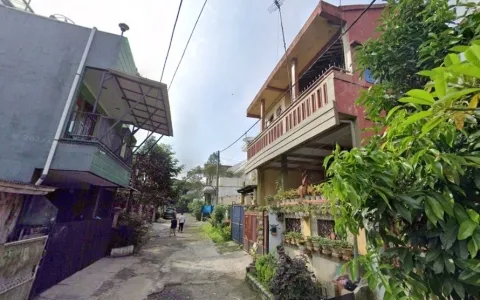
295 83
188 42
171 38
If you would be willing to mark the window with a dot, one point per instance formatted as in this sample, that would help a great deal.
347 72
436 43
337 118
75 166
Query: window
293 225
326 228
279 111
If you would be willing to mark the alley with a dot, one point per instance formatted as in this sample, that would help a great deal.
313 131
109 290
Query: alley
187 266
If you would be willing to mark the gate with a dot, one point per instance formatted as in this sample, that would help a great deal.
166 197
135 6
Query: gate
18 264
71 247
251 225
237 223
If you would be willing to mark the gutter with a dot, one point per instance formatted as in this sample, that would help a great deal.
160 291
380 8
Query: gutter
66 108
355 239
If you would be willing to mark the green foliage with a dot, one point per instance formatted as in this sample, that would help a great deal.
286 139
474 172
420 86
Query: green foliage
293 280
415 189
266 266
133 231
195 207
415 36
154 173
218 214
217 234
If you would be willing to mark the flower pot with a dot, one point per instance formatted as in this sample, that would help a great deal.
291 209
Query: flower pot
274 233
347 254
309 247
336 253
252 269
326 251
316 248
302 248
318 197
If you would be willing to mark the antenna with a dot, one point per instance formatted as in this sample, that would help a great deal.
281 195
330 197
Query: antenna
276 5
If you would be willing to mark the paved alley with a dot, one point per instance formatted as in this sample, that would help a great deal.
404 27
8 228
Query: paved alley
187 266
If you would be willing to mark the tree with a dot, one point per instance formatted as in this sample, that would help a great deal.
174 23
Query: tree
416 35
155 170
210 169
416 188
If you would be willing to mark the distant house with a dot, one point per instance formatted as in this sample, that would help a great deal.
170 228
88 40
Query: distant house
71 102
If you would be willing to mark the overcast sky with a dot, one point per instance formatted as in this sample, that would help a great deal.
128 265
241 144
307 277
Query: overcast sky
236 45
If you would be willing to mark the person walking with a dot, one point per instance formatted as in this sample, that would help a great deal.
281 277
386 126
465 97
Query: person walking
181 222
173 226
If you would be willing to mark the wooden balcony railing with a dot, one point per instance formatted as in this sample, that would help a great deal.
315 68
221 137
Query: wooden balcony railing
85 126
309 102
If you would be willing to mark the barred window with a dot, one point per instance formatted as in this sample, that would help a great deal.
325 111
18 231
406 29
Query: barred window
326 228
293 225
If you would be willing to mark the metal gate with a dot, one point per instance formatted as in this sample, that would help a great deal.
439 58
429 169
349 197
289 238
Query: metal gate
71 247
251 224
237 223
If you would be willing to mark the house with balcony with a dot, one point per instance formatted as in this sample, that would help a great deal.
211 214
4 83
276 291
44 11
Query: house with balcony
71 102
306 108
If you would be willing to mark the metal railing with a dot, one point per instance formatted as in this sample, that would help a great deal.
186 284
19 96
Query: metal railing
91 127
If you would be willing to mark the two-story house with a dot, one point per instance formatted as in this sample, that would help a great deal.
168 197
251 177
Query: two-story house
71 102
305 108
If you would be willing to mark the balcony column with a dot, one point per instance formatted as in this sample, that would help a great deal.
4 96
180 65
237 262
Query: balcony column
294 77
99 93
284 171
260 194
262 114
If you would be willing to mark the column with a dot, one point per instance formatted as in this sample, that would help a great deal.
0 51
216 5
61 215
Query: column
294 78
262 114
260 187
284 171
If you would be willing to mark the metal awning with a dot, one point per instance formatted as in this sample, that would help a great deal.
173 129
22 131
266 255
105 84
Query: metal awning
133 99
247 189
14 187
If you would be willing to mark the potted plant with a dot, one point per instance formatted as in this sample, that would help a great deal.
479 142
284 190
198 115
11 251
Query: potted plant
336 248
316 244
309 243
327 247
273 230
254 254
301 246
299 239
347 250
270 199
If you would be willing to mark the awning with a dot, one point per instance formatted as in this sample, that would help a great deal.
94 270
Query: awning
14 187
247 189
133 99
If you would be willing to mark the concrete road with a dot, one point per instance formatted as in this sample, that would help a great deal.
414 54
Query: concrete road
187 266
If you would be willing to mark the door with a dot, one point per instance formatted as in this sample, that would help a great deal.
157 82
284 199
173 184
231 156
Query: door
237 223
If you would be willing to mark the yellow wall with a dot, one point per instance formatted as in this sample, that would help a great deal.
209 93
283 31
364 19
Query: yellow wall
362 242
306 228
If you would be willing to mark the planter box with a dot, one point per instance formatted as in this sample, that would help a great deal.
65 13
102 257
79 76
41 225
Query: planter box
123 251
258 287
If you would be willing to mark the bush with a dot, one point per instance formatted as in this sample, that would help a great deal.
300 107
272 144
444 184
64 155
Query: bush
293 280
131 230
196 208
218 215
266 266
217 234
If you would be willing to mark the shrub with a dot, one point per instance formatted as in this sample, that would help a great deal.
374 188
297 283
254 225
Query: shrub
219 214
266 266
196 208
217 234
293 280
131 230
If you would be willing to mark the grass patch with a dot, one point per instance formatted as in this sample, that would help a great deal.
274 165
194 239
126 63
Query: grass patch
218 235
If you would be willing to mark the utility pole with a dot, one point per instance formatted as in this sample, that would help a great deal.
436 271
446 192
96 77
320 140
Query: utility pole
218 175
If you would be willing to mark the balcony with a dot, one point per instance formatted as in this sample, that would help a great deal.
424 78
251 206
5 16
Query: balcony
117 139
313 113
